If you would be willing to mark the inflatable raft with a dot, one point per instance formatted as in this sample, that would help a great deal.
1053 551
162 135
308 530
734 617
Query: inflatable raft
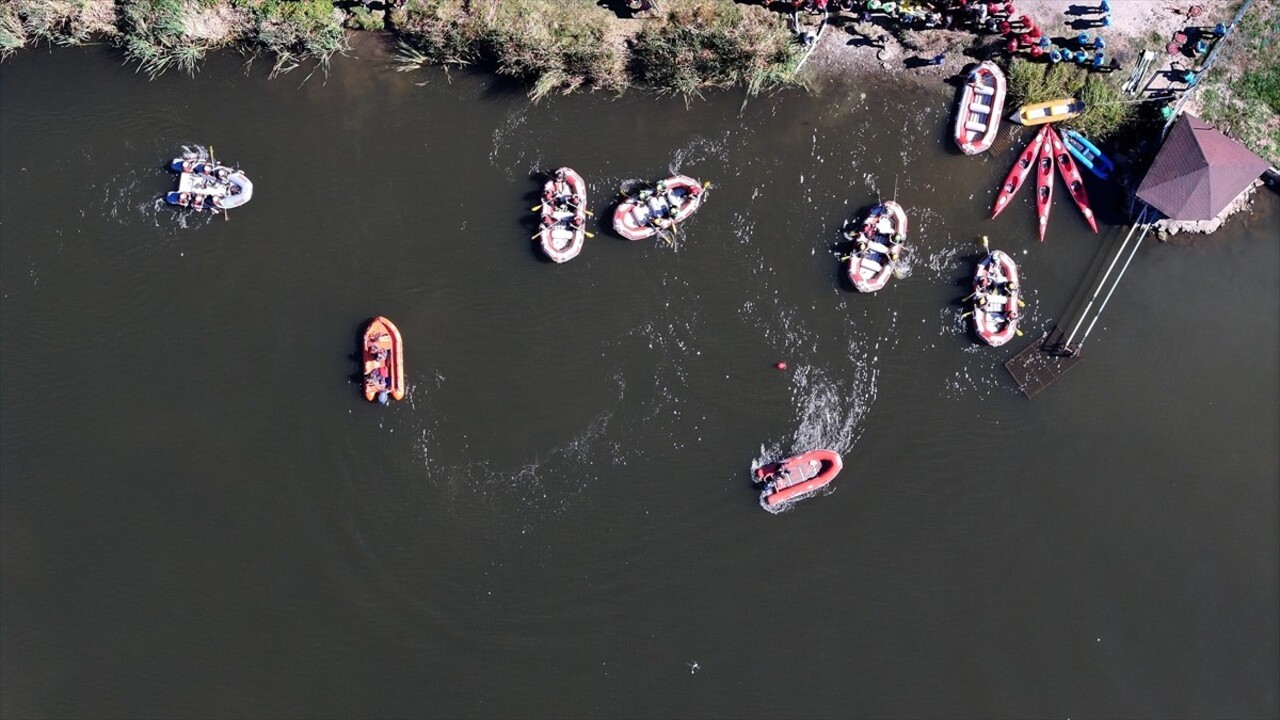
205 185
383 354
798 476
650 211
878 244
996 295
564 215
981 105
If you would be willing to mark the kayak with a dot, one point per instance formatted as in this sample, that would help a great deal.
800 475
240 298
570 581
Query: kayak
1071 174
1048 111
1088 154
797 476
1018 173
383 355
1044 186
878 244
996 294
564 215
646 212
981 105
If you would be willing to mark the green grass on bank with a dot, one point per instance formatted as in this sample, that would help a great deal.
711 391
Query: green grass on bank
1240 94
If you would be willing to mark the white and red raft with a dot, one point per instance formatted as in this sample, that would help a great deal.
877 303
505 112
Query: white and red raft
648 211
564 215
996 299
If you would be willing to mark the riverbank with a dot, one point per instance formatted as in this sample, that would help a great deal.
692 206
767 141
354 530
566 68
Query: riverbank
562 46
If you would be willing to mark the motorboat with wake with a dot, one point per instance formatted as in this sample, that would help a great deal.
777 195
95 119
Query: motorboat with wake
1018 173
981 105
383 354
797 476
564 215
648 211
1071 174
203 184
878 244
996 298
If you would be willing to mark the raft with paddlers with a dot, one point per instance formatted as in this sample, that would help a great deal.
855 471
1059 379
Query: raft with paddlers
1088 154
648 211
1018 173
981 106
997 298
203 184
383 353
1071 175
797 476
877 245
563 227
1048 111
1044 183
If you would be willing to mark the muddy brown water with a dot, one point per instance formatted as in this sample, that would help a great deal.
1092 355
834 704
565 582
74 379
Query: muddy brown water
202 517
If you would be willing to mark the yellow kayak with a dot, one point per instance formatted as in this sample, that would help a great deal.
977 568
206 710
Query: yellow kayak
1048 111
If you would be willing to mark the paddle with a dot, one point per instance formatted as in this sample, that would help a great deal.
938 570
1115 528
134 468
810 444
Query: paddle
984 244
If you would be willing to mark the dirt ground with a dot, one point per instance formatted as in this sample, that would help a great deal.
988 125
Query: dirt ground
853 47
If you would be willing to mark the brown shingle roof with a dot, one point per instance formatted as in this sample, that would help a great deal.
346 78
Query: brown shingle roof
1198 172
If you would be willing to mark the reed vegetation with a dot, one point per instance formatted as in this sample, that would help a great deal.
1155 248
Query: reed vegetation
1106 110
698 45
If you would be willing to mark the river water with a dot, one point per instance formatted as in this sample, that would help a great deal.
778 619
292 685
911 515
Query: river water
202 517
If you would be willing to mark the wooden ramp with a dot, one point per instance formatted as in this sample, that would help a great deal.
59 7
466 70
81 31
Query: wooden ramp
1041 362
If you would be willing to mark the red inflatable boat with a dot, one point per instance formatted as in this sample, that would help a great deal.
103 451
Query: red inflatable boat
797 476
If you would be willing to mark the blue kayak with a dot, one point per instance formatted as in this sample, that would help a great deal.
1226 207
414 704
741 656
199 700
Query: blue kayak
1088 154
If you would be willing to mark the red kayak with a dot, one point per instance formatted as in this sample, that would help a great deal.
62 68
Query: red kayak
649 211
564 215
1071 174
797 476
1044 184
1018 173
995 298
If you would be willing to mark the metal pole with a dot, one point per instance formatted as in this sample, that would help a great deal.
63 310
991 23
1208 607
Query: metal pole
1113 287
1141 216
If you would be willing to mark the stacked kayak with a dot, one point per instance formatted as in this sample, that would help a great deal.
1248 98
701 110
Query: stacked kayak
1045 151
1088 154
564 215
648 211
797 476
1071 174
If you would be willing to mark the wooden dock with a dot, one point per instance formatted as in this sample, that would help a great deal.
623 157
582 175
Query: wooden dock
1042 362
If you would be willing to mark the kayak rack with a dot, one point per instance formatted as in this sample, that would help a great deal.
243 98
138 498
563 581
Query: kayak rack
1047 359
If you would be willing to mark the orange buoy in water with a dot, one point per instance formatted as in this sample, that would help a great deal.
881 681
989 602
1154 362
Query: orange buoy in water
781 365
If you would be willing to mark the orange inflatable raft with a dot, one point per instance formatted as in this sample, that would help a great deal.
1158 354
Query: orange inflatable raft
383 354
